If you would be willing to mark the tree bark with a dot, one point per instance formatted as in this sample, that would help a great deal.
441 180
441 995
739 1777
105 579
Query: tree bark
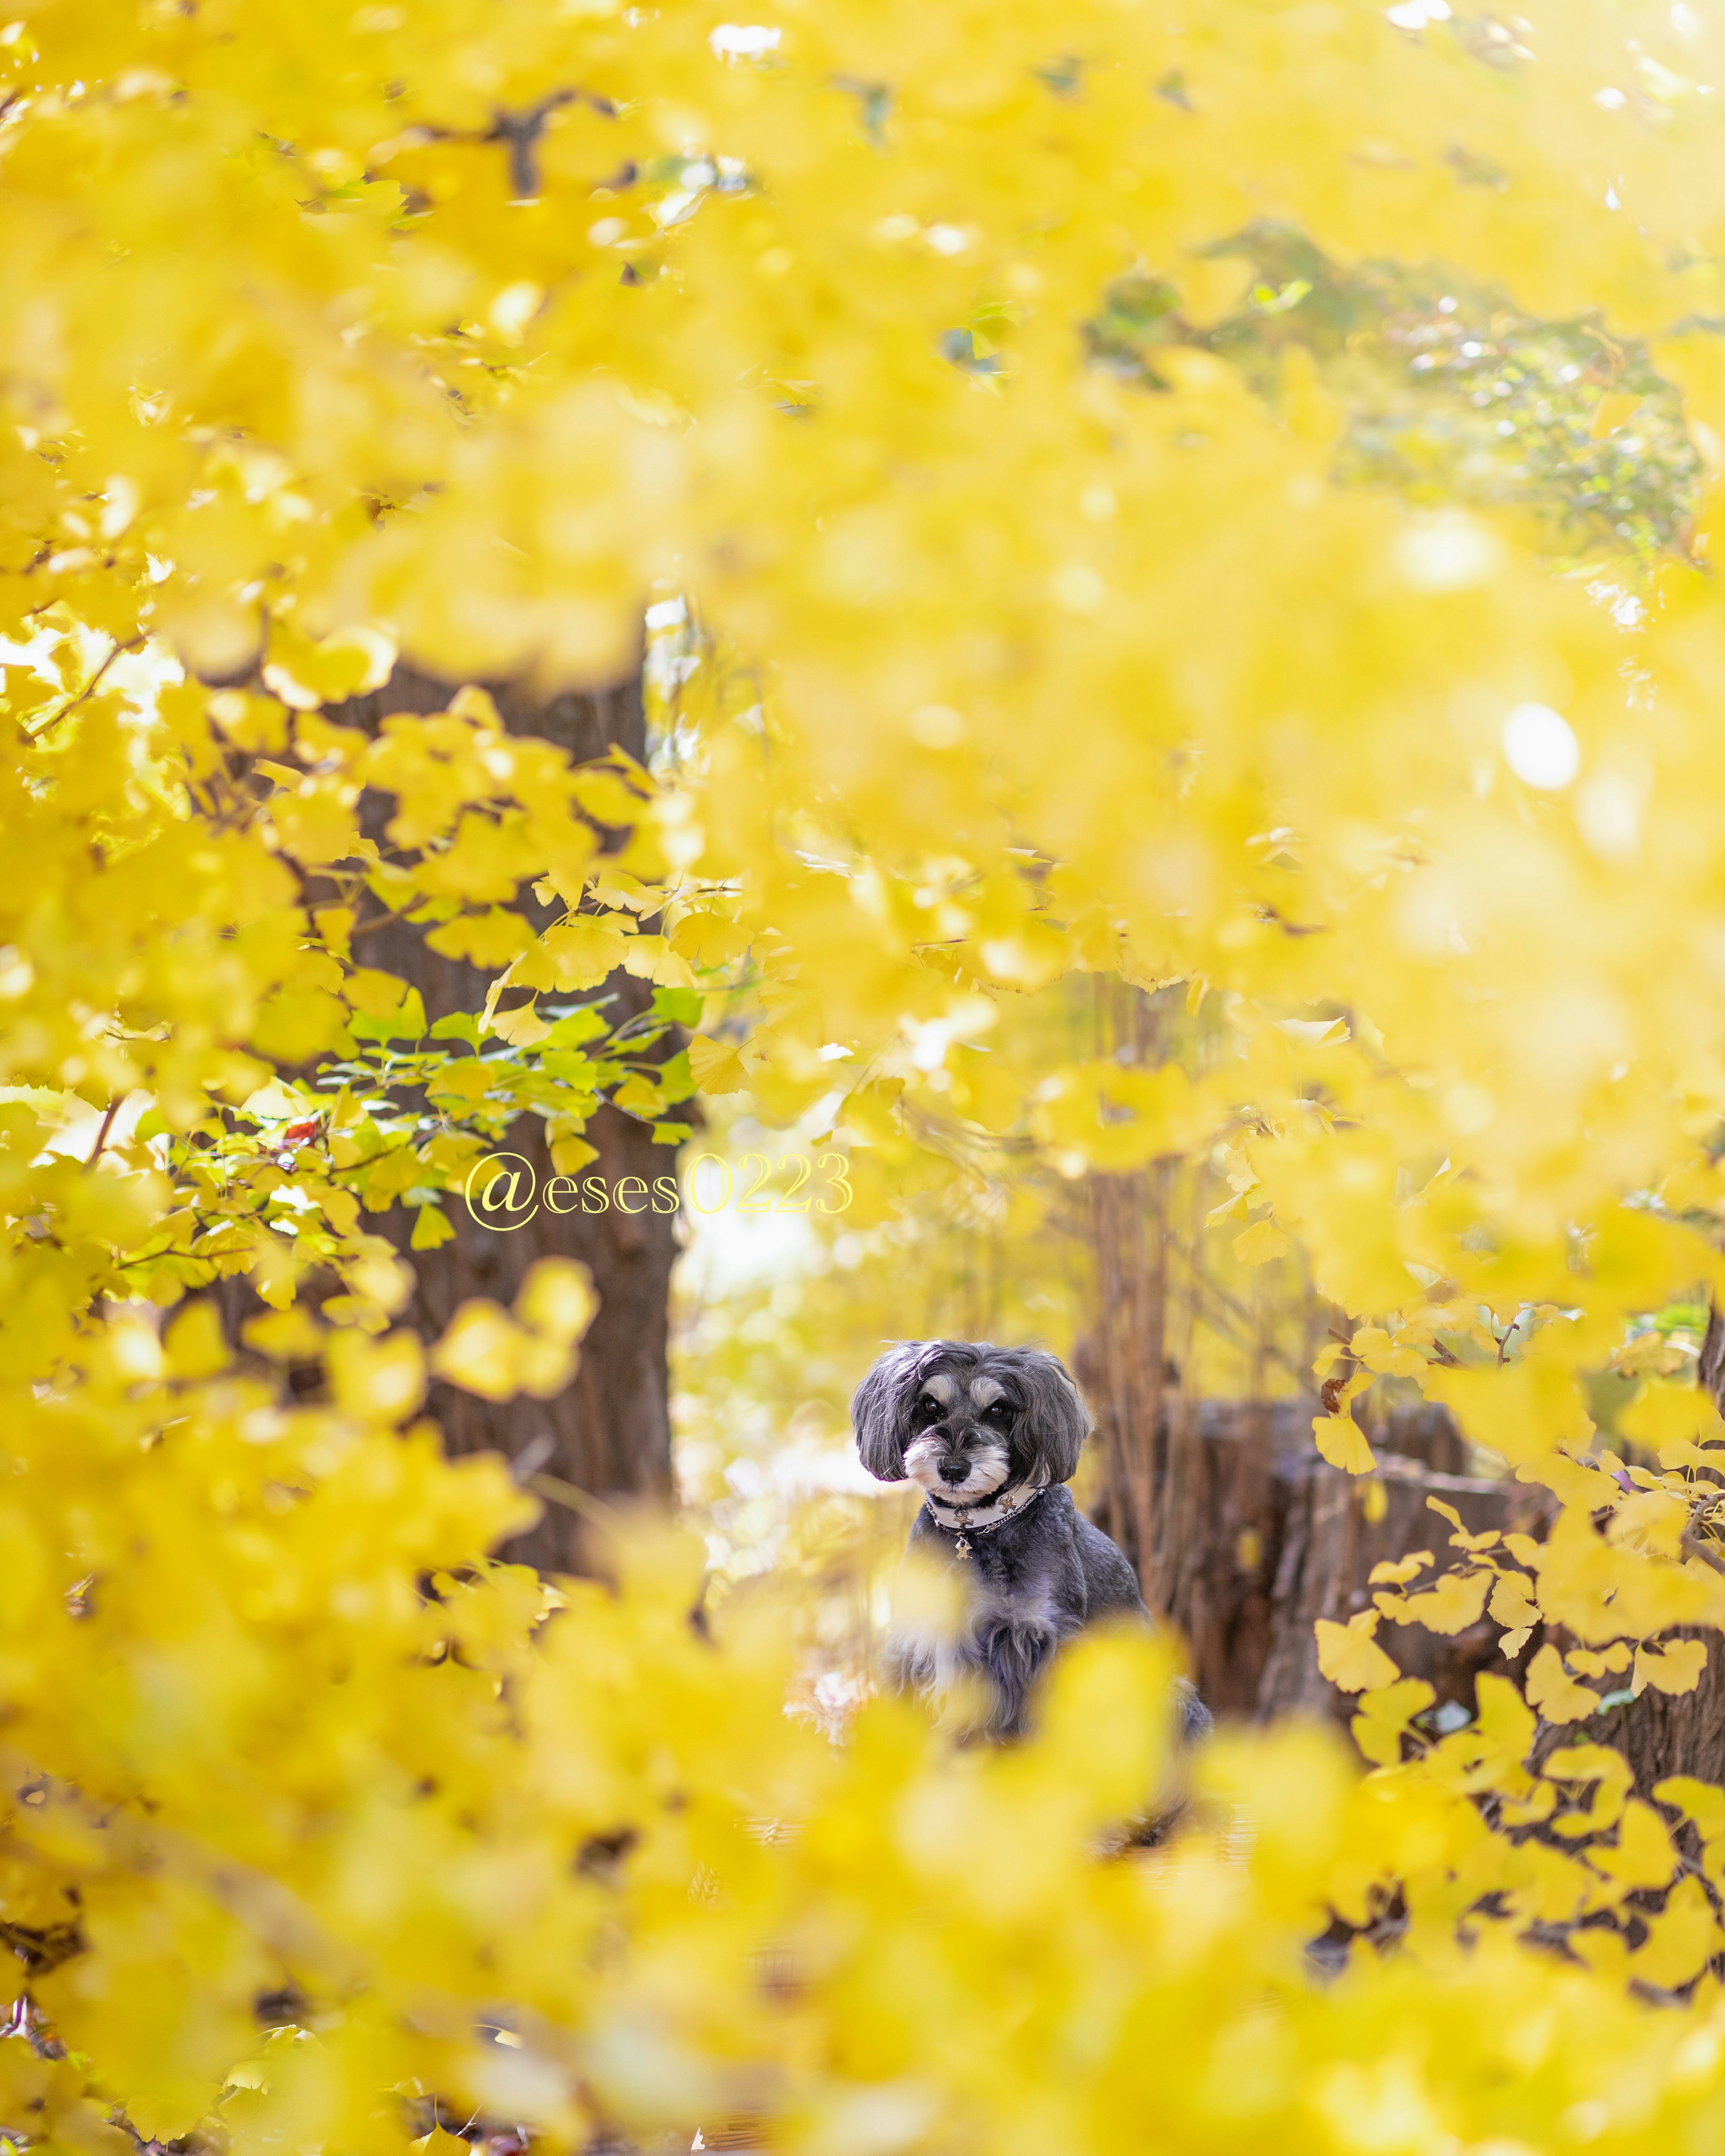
1262 1538
1660 1735
1120 1363
608 1432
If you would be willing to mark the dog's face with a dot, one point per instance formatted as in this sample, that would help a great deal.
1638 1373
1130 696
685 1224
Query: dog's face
965 1419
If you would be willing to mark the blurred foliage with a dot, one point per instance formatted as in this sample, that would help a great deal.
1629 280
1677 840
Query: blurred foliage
463 335
1452 394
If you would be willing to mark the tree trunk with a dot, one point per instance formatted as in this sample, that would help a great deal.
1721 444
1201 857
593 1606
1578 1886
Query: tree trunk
608 1433
1659 1736
1120 1363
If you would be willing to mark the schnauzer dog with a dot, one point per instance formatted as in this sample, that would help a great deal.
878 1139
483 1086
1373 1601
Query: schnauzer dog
993 1435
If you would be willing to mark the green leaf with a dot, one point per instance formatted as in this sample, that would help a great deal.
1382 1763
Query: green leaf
407 1022
584 1024
672 1134
458 1025
431 1227
682 1006
676 1080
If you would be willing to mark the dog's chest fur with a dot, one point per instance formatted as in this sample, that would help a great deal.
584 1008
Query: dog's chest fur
1032 1583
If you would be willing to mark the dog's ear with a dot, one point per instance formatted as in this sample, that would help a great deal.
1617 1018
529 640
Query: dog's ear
1056 1420
880 1413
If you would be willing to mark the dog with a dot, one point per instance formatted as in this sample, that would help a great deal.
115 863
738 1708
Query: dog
992 1435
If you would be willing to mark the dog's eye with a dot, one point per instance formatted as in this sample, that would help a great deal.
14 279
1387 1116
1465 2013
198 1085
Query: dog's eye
928 1409
998 1411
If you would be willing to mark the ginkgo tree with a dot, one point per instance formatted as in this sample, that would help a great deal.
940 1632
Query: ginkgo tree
461 336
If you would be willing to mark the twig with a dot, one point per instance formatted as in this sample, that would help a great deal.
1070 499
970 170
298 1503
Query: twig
591 1509
89 689
102 1134
1697 1547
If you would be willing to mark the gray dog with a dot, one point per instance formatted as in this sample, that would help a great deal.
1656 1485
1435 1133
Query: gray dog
992 1437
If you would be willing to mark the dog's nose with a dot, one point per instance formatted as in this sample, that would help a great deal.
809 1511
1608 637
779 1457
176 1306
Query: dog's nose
954 1470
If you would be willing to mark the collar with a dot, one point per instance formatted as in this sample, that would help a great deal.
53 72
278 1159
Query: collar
961 1519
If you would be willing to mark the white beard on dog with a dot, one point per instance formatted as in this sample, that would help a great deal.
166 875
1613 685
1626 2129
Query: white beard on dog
988 1470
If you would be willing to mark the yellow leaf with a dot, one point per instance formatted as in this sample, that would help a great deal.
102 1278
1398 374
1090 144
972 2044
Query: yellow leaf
480 1351
432 1229
376 994
1680 1940
380 1380
1555 1692
1512 1604
439 2141
1614 410
1643 1856
1703 1802
651 958
1675 1669
1449 1606
1396 1572
601 791
521 1028
1342 1443
582 951
557 1298
194 1342
1614 1659
1350 1658
717 1065
289 1335
1384 1715
1258 1244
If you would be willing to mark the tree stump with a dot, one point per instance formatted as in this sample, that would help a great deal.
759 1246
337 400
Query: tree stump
1257 1536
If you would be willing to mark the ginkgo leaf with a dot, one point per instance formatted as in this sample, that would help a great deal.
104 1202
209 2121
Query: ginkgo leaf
1643 1856
193 1345
585 950
651 958
717 1065
383 1380
1510 1604
557 1298
480 1351
1554 1692
1385 1357
1385 1716
1343 1444
1703 1802
521 1028
1396 1572
1450 1604
1611 1662
432 1229
1675 1669
1258 1244
1349 1656
1680 1940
